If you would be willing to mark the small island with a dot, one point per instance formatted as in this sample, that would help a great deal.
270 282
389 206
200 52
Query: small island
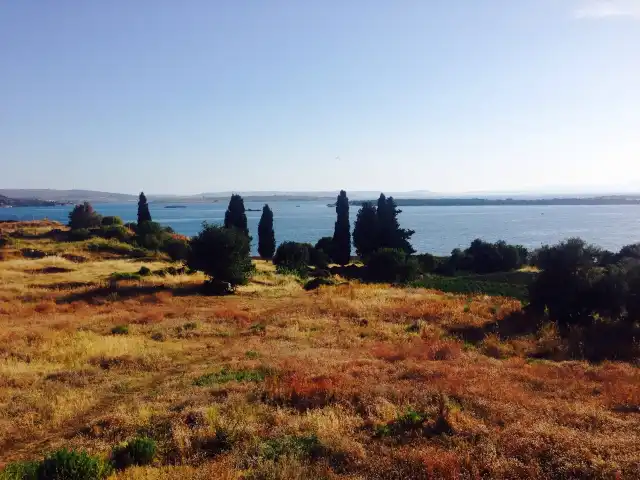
175 206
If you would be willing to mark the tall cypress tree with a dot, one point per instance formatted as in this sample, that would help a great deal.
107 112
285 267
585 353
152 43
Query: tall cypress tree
235 216
144 215
266 235
366 232
342 231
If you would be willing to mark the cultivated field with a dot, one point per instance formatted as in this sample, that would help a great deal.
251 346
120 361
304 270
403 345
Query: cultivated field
352 381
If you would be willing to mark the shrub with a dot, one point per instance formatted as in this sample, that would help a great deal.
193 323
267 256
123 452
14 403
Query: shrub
72 465
139 451
118 232
392 266
84 216
222 254
120 330
293 446
225 376
114 246
111 220
427 262
144 271
20 471
176 248
483 257
79 234
325 244
292 256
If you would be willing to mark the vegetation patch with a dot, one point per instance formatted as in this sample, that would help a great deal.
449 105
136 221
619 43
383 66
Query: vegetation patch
138 451
227 375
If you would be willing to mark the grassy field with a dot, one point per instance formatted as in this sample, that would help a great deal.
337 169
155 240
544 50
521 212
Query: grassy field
353 381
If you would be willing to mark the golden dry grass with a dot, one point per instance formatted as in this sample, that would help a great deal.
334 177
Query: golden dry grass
340 364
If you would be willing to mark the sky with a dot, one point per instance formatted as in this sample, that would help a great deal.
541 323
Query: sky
199 96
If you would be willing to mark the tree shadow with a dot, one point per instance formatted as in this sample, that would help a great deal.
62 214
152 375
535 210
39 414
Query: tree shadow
517 324
116 292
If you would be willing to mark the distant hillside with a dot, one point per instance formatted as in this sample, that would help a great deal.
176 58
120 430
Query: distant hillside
66 196
24 202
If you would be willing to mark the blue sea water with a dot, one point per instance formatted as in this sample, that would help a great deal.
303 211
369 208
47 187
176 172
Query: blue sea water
438 229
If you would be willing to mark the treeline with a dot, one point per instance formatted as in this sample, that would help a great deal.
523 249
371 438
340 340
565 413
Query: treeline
473 202
574 284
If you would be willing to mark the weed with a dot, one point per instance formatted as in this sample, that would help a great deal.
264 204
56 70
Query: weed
20 471
118 276
139 451
252 354
120 330
226 375
190 326
300 447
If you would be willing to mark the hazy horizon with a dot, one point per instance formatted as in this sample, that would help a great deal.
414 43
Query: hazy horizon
183 98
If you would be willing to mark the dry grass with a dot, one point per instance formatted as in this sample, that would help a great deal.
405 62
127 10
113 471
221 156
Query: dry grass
340 365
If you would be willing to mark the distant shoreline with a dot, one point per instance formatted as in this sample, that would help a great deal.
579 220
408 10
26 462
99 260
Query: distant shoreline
487 202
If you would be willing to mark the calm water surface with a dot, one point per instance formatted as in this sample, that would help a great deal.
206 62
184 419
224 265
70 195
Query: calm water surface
438 229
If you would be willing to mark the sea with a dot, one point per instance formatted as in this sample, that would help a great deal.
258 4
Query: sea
438 230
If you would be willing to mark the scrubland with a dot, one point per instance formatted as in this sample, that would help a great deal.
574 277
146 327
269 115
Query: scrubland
349 381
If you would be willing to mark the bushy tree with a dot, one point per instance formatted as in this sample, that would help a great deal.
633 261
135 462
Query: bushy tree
235 216
223 254
292 256
112 220
342 231
392 266
325 244
366 232
84 216
144 215
485 257
266 235
391 235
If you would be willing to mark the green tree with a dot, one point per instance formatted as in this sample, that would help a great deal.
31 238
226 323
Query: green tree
342 231
235 216
144 215
223 254
366 237
391 235
84 216
266 235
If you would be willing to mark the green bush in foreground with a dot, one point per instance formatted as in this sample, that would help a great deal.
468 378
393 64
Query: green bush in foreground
139 451
20 471
73 465
223 254
120 330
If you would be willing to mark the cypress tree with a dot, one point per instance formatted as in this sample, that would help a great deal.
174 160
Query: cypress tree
266 235
235 216
342 231
144 215
366 232
391 235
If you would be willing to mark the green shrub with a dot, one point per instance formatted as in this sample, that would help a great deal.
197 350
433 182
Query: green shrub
73 465
118 232
226 376
292 256
112 220
292 446
20 471
251 354
223 254
139 451
391 266
79 234
326 245
190 326
114 246
472 286
144 271
120 330
176 248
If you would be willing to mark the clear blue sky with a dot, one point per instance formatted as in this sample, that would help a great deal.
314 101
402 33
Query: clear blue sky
198 95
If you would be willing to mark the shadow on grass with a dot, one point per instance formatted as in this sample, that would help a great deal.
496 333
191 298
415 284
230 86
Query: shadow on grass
517 324
122 292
